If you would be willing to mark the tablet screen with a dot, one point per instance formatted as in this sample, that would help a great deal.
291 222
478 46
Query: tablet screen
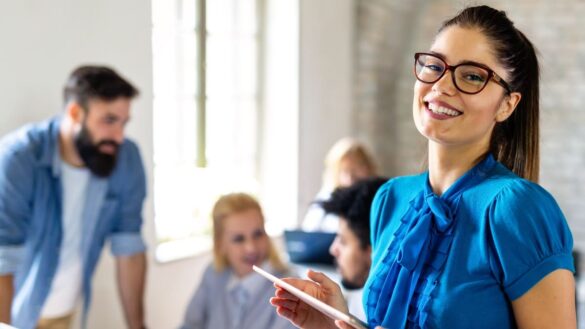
314 302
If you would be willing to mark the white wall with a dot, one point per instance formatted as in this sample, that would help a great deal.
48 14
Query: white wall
326 61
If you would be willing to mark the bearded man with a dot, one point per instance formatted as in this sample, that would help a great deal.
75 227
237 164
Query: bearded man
68 185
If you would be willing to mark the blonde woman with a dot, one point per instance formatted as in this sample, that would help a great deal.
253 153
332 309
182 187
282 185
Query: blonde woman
348 161
231 295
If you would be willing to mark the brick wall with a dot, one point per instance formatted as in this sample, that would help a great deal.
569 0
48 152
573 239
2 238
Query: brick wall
388 32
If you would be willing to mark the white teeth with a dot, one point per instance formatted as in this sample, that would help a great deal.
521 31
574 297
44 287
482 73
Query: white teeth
443 110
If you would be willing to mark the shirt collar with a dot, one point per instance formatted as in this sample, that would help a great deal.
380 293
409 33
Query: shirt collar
251 283
51 151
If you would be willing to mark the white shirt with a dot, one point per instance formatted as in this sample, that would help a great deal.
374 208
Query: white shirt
316 219
241 289
354 303
66 286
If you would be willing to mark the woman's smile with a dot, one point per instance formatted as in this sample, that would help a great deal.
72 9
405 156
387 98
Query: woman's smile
441 111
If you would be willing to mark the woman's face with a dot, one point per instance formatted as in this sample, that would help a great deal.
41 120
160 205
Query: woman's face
244 242
352 169
469 119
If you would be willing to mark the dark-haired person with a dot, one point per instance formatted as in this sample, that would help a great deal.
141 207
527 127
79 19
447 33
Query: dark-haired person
474 242
351 248
68 185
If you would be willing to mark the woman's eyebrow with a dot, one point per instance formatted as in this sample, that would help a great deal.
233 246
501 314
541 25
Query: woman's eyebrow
443 57
438 54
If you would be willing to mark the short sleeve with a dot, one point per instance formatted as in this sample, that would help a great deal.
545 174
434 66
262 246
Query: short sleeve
16 183
530 237
125 237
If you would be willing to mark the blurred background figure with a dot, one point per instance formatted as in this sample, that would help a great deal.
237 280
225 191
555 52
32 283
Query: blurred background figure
229 292
348 161
68 185
351 248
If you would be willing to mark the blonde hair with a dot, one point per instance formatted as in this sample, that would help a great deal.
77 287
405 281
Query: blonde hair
226 206
345 148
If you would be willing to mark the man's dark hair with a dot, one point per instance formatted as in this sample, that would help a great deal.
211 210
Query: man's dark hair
96 82
353 204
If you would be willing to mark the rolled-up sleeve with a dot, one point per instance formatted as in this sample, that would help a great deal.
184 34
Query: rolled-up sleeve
126 238
10 258
16 183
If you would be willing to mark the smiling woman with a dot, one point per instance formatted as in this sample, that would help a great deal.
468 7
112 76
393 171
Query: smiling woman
473 242
239 239
225 298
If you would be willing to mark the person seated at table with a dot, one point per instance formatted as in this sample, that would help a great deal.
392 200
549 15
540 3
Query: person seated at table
348 161
351 248
229 291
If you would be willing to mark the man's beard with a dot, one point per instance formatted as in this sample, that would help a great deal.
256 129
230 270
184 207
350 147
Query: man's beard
100 164
346 283
350 285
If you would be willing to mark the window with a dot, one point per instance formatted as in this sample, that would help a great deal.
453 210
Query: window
206 114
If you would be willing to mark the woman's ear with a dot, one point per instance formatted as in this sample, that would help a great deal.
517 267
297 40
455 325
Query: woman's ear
507 106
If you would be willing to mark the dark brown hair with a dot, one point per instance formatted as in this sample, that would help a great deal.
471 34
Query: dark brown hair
96 82
515 141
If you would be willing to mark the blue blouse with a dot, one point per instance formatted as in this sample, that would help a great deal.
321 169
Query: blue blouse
456 261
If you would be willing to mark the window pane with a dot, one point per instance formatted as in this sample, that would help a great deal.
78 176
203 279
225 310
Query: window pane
188 13
231 66
165 133
220 16
221 131
181 208
164 71
247 68
184 194
221 71
246 17
187 64
188 127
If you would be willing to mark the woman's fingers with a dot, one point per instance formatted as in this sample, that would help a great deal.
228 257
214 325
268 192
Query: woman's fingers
342 325
322 280
284 303
297 283
281 293
285 313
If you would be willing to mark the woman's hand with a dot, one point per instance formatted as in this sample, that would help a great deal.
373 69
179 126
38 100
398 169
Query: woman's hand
342 325
298 312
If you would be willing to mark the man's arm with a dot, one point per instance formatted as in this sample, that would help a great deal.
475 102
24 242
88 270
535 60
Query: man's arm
131 275
6 293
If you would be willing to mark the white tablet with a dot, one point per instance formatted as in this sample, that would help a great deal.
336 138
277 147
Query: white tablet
314 302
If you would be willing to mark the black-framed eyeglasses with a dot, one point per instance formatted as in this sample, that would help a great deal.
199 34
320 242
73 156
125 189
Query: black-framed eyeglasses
468 77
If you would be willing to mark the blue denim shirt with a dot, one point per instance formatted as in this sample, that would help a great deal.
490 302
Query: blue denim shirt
30 215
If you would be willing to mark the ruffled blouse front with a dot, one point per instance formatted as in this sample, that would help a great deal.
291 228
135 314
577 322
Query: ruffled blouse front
406 271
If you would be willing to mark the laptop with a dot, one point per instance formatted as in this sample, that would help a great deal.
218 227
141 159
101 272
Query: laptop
309 247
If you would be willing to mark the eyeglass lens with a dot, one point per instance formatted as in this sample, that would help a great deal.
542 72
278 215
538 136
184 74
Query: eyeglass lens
467 78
